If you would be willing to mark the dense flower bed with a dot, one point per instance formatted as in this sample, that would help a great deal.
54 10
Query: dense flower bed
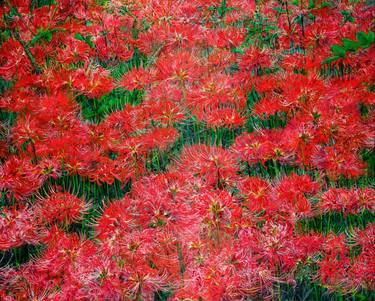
187 150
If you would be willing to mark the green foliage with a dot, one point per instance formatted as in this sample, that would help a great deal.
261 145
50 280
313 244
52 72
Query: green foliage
350 45
95 110
138 60
86 39
340 51
336 222
347 16
162 295
306 290
39 3
368 155
260 31
365 40
20 255
4 85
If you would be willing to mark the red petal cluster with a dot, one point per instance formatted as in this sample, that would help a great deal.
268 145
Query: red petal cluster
234 125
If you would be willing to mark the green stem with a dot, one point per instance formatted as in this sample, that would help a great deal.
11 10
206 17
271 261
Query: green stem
31 58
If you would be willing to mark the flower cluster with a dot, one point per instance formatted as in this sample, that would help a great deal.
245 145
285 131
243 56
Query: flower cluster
237 136
178 231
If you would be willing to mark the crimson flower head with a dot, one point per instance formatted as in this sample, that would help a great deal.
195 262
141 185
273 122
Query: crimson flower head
263 145
182 67
166 112
291 194
228 118
18 226
92 82
216 165
13 60
61 207
19 177
348 201
136 79
255 58
338 161
218 210
256 193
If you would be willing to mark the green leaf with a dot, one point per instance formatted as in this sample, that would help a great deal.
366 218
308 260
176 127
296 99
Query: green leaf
26 144
371 37
79 37
350 45
362 39
87 40
48 36
237 50
37 38
337 50
347 16
330 60
279 10
44 35
325 4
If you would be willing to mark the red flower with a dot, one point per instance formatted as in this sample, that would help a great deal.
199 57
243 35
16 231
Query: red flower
61 207
217 166
136 79
256 193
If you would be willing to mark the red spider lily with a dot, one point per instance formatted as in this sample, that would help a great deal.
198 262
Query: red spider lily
18 226
166 90
92 82
255 58
303 94
218 212
156 207
195 224
61 208
130 119
101 169
49 168
185 68
56 125
225 38
333 268
224 118
338 161
19 177
176 35
166 112
156 138
75 51
268 107
136 79
13 62
214 93
290 194
229 274
295 61
301 136
220 58
262 146
347 201
215 165
256 193
3 149
362 270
